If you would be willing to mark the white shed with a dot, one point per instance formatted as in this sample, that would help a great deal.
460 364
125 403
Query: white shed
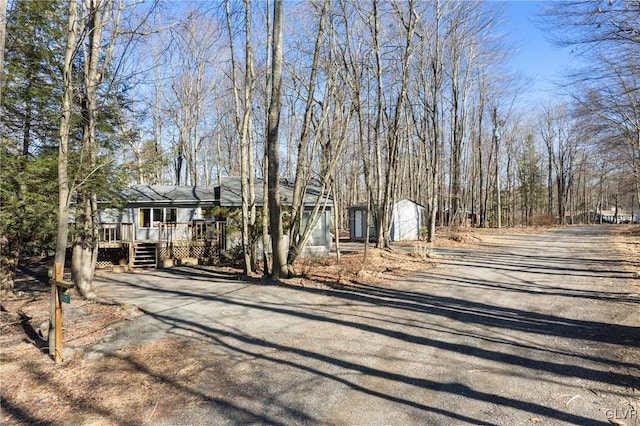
406 221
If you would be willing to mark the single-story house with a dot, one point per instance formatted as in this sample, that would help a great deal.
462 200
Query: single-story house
614 215
166 224
406 221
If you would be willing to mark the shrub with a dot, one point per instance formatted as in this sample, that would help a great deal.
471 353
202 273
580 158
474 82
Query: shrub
544 220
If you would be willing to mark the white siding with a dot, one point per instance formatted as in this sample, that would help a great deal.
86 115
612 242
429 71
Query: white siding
407 218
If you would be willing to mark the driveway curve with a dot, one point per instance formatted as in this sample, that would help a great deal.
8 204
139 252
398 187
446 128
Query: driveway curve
526 329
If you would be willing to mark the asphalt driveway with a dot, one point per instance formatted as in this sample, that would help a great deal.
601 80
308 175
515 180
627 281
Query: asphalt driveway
529 329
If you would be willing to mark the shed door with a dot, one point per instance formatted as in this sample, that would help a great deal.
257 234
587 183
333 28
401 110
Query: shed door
358 224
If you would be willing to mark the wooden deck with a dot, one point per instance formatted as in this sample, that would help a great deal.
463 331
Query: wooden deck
115 235
204 240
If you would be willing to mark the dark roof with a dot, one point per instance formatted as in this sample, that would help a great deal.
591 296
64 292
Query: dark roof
228 194
231 193
359 206
153 194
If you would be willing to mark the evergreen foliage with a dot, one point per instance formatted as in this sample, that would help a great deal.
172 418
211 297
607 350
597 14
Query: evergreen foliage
32 89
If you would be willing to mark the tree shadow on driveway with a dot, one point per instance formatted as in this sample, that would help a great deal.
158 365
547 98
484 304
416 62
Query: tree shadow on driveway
312 362
382 302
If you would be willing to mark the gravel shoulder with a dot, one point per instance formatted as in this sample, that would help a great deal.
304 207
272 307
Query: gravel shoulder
524 329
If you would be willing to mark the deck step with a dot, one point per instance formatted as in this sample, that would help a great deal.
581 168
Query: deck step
144 255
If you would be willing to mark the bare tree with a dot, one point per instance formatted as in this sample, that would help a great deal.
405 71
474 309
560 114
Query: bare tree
279 268
530 178
192 54
559 136
462 57
302 175
243 125
408 19
102 29
63 159
267 259
85 239
433 81
382 108
353 59
609 112
606 35
497 126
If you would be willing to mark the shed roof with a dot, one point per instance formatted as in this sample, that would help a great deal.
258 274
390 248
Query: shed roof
363 206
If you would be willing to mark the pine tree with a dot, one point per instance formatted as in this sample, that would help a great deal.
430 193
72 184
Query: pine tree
30 81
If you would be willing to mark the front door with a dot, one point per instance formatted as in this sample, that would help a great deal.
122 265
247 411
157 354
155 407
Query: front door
358 224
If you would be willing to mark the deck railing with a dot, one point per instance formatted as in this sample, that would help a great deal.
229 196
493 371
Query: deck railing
115 232
200 231
192 231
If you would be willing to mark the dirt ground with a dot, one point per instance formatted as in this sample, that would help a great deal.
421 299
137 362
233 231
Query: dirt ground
140 381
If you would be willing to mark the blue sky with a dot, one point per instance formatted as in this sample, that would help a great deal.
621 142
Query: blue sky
535 57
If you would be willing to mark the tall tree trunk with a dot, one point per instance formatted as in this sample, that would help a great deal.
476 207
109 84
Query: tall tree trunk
266 257
248 101
86 241
377 201
434 121
481 187
242 119
510 185
63 160
496 143
279 269
354 73
336 220
550 178
456 139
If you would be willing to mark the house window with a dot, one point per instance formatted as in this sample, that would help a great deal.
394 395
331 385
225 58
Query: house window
152 217
171 215
157 217
317 237
145 218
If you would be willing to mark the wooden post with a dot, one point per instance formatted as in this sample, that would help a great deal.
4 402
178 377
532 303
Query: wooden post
52 314
57 356
131 255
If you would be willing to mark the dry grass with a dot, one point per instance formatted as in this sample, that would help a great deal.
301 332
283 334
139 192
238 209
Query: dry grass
34 389
627 242
466 237
130 387
380 266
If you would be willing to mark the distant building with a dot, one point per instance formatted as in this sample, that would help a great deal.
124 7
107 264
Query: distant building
406 221
615 216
